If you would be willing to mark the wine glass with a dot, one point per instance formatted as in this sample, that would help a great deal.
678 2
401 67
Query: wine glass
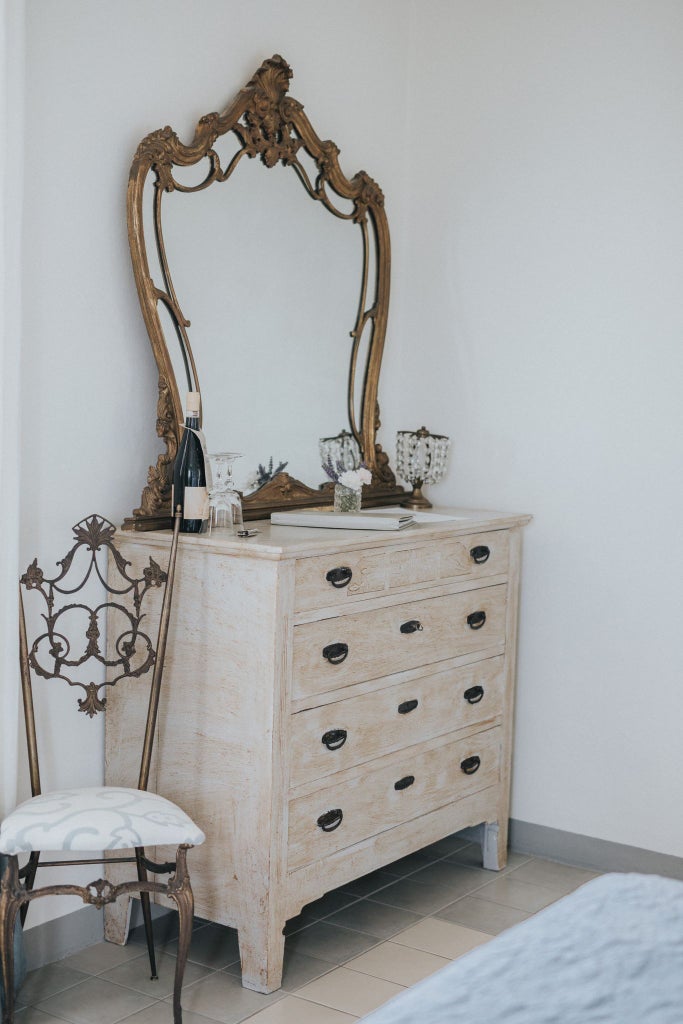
225 504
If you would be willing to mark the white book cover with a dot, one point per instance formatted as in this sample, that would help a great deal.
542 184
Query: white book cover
344 520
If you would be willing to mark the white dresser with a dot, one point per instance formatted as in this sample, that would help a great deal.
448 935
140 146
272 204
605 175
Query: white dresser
333 700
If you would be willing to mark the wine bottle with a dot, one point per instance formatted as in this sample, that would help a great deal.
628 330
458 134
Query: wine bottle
189 473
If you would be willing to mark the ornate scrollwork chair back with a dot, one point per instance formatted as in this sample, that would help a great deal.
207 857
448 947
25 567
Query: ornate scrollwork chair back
70 649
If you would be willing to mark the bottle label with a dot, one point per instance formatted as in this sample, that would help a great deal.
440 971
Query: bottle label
196 503
192 403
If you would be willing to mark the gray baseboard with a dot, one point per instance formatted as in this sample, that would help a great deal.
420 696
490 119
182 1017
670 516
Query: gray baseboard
587 852
73 932
53 940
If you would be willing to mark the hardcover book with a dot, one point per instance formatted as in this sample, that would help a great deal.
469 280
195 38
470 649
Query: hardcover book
344 520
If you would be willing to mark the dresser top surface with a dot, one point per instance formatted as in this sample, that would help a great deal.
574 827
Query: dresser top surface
279 542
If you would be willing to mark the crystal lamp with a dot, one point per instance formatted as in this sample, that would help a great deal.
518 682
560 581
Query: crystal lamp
420 459
342 451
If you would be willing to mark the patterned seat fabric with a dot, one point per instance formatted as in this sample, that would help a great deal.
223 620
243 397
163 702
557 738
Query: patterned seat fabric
96 818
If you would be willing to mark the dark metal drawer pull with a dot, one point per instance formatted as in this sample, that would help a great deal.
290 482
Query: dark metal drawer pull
470 765
334 738
407 706
406 781
339 577
480 554
330 820
335 653
475 620
412 626
474 694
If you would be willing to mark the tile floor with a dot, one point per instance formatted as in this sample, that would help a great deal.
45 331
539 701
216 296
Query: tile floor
345 954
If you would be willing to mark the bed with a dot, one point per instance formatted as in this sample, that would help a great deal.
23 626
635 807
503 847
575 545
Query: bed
610 953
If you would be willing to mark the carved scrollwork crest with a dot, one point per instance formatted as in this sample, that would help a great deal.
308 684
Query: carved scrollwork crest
267 119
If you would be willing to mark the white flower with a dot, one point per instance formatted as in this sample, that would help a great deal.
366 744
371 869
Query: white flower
355 478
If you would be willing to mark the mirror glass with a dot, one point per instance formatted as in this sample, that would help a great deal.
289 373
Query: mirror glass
270 282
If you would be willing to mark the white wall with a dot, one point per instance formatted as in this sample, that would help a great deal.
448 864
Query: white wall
100 76
543 330
536 227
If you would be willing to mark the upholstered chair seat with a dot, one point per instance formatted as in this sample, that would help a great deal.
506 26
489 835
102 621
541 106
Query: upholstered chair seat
96 818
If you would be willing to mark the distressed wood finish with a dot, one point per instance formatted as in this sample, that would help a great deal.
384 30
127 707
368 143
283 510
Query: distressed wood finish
377 647
369 802
240 735
378 571
384 720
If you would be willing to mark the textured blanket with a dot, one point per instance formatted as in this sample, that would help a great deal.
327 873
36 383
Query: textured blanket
610 953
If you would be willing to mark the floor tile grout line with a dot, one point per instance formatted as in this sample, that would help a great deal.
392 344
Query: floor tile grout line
510 906
318 1002
31 1007
204 1016
119 1020
367 899
216 1020
398 878
130 960
245 1020
504 873
70 1020
70 988
368 896
22 1006
333 967
126 988
96 977
436 910
379 939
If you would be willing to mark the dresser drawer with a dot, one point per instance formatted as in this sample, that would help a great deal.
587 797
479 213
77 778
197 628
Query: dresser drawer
335 652
329 580
394 790
329 739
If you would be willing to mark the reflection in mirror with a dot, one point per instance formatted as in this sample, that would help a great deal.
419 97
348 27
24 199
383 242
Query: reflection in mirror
270 284
359 369
182 370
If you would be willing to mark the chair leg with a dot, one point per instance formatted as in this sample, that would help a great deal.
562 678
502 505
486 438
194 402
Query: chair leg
180 891
11 899
147 915
30 878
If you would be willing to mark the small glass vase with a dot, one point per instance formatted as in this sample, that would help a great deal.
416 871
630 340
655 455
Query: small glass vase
346 499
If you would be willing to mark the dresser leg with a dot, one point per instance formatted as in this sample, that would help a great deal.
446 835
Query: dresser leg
117 915
494 846
261 952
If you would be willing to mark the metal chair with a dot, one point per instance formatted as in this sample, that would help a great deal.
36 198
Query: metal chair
101 818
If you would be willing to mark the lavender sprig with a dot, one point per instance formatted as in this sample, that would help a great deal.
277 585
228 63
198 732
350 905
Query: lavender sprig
333 470
353 478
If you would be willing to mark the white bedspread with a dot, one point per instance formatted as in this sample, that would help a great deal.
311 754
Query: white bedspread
610 953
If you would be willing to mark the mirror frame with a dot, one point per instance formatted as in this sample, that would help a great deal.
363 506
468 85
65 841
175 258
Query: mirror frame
271 125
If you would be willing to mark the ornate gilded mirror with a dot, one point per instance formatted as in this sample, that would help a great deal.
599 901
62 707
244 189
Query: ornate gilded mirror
272 306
